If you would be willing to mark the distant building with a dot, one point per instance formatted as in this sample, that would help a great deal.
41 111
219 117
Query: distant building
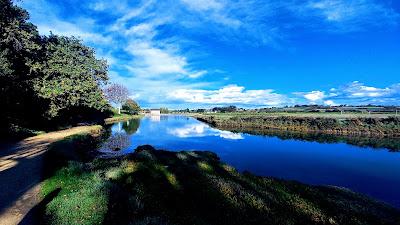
155 112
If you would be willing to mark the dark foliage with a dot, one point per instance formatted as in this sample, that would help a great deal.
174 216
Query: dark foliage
225 109
45 82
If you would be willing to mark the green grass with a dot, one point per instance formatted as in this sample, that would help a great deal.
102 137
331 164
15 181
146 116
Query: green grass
161 187
83 198
121 117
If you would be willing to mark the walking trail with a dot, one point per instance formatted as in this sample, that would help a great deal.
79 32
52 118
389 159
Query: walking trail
21 167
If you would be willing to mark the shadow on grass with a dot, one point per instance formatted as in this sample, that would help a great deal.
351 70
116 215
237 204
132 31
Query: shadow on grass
35 214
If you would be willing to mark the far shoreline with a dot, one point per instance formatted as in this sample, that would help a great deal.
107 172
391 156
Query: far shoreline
373 126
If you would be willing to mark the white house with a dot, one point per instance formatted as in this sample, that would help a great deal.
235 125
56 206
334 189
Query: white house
155 112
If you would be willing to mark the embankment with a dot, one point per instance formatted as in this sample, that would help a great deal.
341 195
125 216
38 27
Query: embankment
376 127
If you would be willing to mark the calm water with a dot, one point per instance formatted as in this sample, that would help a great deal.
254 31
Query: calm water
375 172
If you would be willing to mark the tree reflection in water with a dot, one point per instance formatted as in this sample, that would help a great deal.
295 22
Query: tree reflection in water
393 144
119 140
116 142
131 126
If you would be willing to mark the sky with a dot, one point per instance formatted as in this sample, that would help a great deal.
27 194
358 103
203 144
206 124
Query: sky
248 53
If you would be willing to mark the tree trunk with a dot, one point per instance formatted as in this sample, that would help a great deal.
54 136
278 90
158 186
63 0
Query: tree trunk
119 110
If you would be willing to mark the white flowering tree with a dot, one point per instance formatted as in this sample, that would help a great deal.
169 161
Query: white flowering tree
117 94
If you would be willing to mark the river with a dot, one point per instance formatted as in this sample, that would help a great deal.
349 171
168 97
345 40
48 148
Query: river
371 171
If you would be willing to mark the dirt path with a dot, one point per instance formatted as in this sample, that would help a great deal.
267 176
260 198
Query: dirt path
21 167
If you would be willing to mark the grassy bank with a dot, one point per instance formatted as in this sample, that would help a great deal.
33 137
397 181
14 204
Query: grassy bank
328 123
121 117
161 187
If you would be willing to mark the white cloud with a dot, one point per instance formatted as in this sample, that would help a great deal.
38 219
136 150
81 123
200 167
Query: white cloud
99 6
144 30
45 17
224 20
314 96
202 5
131 13
155 92
197 74
231 94
341 10
329 102
351 15
134 96
355 93
151 61
70 29
214 11
333 10
359 90
152 57
112 7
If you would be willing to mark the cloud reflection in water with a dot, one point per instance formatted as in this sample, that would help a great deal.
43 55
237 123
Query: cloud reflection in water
203 130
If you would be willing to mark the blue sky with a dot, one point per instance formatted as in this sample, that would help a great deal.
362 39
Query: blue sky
249 53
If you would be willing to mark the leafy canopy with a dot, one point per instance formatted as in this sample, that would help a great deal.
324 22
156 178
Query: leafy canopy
45 79
72 76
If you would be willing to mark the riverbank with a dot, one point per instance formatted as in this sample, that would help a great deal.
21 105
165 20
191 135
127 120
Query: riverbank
161 187
374 125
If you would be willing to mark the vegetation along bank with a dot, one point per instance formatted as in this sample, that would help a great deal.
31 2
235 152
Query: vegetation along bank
373 126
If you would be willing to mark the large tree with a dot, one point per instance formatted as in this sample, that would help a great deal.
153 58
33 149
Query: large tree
45 79
72 76
20 51
19 43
